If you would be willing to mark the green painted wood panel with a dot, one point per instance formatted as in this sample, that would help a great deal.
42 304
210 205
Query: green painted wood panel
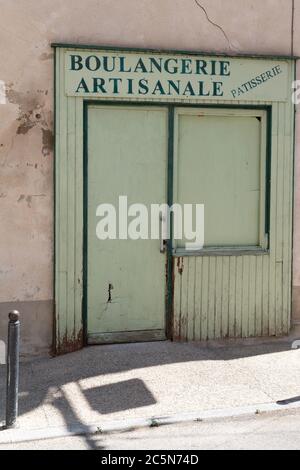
254 293
127 156
269 295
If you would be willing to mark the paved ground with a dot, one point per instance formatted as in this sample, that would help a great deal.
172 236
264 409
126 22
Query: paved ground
266 432
105 383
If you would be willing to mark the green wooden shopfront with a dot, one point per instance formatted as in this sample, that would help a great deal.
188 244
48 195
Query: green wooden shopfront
173 127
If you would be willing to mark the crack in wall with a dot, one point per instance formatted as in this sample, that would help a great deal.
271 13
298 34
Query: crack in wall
216 25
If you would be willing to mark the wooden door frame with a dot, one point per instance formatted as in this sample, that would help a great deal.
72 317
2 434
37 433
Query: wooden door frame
144 336
170 255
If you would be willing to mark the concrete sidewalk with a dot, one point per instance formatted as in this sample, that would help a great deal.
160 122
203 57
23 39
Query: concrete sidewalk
273 431
102 384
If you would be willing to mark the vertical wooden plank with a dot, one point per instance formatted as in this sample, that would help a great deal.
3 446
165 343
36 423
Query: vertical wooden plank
278 298
78 186
288 217
62 207
273 223
258 328
218 297
204 298
58 294
177 299
252 296
71 198
184 299
232 296
211 298
265 296
198 297
290 190
280 182
239 296
245 302
279 219
191 298
289 246
225 298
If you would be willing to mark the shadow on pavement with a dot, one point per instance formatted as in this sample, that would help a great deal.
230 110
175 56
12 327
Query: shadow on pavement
44 378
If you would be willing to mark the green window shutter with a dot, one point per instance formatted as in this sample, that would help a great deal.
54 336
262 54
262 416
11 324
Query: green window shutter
220 162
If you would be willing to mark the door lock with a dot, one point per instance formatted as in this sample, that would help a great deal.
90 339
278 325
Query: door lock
162 241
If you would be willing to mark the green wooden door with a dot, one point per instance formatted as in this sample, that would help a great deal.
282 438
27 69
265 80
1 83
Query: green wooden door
127 156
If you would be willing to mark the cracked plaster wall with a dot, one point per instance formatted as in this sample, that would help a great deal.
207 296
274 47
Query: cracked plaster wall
26 111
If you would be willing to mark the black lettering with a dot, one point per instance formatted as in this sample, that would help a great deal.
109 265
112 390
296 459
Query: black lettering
99 85
143 87
116 82
158 88
225 68
76 62
106 64
217 89
140 66
202 89
189 90
277 69
130 86
172 70
245 86
186 66
213 67
264 77
82 86
174 86
89 63
122 65
156 63
201 66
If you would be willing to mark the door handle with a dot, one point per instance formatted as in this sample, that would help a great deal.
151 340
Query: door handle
162 242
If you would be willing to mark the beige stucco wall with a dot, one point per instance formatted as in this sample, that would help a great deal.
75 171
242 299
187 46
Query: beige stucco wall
27 28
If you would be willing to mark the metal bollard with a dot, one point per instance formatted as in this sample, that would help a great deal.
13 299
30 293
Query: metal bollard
13 348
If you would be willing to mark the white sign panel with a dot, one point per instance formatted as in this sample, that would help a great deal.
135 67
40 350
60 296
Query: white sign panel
162 77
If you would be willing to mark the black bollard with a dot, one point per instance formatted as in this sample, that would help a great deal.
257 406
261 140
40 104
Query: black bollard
13 348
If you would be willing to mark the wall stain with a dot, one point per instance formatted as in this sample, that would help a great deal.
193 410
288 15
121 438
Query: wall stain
180 265
46 56
48 141
67 343
25 127
32 114
29 201
29 198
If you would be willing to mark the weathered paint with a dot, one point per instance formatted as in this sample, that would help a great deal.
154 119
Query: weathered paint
240 271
